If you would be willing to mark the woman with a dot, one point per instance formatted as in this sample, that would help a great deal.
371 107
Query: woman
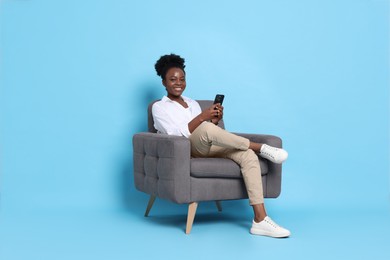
178 115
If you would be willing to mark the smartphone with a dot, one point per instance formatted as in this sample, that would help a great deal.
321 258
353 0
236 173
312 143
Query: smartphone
219 99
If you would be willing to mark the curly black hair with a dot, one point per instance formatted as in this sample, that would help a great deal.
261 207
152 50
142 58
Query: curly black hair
168 61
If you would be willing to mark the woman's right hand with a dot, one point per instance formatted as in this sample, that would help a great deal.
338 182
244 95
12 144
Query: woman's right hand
212 112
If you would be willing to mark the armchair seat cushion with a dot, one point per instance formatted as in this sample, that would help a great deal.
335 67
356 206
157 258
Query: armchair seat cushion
219 168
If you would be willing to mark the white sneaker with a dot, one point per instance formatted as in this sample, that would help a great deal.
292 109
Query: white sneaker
276 155
269 228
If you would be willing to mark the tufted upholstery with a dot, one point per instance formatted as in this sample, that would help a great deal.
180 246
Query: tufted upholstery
164 168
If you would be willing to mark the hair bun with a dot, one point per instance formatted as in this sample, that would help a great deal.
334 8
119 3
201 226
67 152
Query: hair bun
168 61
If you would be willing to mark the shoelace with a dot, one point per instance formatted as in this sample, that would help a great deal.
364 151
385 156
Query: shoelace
270 151
269 221
268 154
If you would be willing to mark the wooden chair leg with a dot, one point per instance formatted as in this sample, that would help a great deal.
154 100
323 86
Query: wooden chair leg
191 215
219 206
150 204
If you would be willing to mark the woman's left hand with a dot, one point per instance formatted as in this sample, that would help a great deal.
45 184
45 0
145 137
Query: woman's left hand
219 116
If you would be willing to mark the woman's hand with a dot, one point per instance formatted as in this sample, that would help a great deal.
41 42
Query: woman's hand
219 113
214 113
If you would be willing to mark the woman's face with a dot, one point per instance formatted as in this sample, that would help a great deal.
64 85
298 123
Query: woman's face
175 82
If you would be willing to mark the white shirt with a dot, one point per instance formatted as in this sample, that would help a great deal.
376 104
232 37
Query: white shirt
172 118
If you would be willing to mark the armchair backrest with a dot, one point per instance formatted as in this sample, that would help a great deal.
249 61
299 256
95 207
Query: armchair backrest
203 104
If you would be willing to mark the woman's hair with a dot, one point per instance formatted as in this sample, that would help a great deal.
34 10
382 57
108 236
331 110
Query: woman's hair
168 61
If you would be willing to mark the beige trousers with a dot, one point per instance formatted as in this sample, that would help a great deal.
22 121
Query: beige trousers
209 140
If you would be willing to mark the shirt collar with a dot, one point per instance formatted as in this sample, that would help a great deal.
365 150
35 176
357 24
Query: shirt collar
167 99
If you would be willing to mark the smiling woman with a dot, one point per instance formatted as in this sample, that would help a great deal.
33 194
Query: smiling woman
178 115
171 69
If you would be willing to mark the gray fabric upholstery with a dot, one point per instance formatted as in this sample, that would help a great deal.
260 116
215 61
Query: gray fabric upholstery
209 189
163 167
220 168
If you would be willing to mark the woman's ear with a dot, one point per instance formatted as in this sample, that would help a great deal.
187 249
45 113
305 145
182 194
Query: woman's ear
163 82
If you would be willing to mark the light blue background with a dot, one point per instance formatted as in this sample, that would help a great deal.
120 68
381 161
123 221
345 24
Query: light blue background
76 77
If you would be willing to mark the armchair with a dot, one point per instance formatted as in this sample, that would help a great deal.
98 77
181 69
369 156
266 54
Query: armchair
164 168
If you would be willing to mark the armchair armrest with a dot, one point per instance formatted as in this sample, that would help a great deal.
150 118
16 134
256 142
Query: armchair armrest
162 165
274 177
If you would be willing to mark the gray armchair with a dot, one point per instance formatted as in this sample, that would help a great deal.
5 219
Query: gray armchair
163 168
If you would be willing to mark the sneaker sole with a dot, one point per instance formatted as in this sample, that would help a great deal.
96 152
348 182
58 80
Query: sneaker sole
268 234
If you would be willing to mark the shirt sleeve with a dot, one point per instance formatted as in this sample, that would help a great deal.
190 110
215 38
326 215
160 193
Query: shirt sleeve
165 124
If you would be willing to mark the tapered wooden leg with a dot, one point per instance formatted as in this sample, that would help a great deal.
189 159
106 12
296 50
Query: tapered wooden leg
191 215
150 204
219 206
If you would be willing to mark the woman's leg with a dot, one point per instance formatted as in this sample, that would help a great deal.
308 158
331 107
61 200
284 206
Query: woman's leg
259 212
251 173
202 145
208 134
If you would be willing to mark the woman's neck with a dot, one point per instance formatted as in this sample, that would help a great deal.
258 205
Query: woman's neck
175 98
179 100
